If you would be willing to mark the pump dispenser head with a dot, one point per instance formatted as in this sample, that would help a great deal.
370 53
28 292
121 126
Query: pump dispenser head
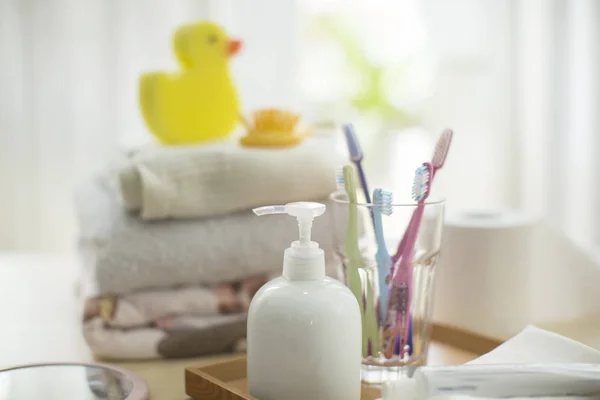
304 260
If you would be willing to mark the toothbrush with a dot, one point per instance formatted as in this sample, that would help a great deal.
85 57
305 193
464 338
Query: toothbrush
356 156
440 152
371 343
351 244
371 324
398 306
401 285
382 202
352 250
442 147
383 263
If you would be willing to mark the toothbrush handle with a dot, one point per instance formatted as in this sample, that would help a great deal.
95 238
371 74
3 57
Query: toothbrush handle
398 303
409 340
407 265
363 182
353 255
403 278
402 245
405 323
383 264
396 332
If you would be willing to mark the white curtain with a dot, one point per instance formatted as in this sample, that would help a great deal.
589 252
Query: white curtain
558 114
68 100
519 81
68 92
557 105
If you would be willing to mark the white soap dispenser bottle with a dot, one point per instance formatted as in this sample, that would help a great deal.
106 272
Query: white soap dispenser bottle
304 329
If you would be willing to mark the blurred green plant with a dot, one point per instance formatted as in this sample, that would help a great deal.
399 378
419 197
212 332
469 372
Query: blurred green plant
370 97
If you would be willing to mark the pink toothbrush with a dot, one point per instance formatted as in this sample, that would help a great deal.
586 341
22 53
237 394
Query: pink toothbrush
397 321
442 147
440 152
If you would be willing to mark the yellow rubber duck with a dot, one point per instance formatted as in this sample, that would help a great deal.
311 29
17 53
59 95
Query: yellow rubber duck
199 103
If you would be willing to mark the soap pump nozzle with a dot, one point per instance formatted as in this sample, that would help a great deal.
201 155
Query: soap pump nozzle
302 253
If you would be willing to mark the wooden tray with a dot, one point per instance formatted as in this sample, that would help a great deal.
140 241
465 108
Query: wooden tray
226 380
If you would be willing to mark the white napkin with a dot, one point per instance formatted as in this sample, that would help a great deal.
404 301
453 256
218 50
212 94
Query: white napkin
535 345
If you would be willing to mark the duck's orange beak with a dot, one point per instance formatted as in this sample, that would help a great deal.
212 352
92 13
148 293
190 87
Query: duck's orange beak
233 47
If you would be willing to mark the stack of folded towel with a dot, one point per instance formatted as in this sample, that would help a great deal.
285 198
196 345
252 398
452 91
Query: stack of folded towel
173 252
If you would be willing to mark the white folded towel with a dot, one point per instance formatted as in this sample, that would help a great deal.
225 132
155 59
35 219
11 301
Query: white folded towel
211 180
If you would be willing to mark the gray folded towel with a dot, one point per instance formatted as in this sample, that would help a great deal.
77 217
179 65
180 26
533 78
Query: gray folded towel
125 253
205 181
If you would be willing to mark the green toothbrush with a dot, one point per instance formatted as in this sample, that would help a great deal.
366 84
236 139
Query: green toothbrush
370 327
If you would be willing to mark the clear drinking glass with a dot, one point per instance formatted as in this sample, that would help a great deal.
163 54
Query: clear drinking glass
376 367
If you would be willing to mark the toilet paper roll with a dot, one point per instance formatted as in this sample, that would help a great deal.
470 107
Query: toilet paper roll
483 276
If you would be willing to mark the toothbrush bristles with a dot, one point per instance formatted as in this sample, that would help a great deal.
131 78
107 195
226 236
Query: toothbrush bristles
339 179
441 148
383 199
354 149
421 183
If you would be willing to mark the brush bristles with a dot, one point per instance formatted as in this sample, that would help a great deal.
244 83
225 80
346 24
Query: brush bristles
441 148
339 180
354 149
421 183
275 120
383 200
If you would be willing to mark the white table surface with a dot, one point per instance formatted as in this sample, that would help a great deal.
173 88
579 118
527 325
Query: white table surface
39 310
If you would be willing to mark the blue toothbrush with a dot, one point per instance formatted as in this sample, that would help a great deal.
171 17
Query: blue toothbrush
382 202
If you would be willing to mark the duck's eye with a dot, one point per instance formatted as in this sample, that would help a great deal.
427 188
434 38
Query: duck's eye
212 39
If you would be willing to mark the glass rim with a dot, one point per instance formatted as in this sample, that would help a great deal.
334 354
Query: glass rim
335 198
